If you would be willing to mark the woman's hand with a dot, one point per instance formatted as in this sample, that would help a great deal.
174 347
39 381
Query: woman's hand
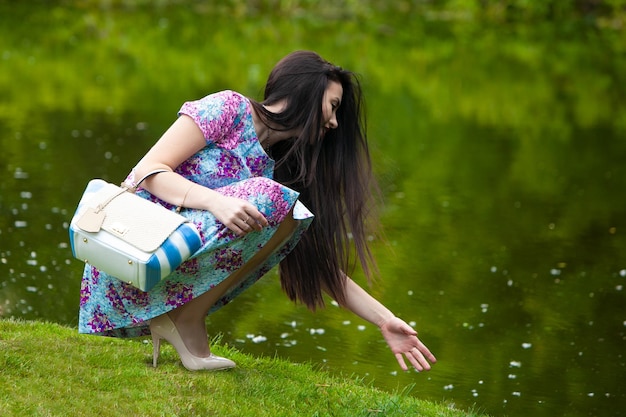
400 337
402 340
237 214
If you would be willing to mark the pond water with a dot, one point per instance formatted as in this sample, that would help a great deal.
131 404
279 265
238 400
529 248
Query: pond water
504 240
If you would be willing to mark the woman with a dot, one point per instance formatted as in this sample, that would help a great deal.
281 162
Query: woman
219 171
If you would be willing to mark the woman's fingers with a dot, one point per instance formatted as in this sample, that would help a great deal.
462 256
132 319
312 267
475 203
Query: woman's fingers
255 220
401 362
246 220
243 225
420 359
259 219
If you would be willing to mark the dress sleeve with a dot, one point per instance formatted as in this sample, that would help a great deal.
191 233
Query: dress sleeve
218 116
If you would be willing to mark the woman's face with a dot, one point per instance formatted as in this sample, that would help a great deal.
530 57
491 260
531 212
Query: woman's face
330 104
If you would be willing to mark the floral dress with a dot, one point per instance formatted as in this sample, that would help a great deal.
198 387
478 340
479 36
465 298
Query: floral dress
232 163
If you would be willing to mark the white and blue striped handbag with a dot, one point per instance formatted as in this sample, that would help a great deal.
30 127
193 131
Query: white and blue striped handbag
128 237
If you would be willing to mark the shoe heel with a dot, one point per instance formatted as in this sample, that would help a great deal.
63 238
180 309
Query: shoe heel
156 349
163 327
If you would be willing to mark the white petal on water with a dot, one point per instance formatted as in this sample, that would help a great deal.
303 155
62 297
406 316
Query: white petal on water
19 174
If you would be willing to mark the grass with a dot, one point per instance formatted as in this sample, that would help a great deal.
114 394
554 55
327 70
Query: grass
50 370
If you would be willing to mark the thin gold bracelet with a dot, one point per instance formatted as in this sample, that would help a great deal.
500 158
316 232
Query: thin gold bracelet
179 208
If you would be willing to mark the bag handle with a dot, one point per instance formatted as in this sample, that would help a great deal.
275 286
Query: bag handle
93 218
126 188
149 174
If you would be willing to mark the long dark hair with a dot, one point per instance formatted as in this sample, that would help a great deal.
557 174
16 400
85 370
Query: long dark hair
332 174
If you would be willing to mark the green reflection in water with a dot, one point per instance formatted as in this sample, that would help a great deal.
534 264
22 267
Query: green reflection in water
499 147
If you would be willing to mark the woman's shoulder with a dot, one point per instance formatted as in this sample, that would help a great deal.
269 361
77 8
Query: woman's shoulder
235 100
226 97
217 104
228 102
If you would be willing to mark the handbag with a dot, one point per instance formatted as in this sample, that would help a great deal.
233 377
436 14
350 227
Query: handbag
126 236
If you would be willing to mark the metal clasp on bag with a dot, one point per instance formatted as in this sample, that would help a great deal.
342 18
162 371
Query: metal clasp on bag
119 228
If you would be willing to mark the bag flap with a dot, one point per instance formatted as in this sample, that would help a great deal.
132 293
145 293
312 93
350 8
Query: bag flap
135 220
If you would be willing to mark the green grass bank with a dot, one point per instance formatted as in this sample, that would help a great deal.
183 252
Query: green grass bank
50 370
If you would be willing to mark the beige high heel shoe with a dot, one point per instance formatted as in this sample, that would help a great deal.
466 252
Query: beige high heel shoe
162 327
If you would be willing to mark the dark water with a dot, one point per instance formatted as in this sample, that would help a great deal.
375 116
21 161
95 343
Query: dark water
518 287
505 234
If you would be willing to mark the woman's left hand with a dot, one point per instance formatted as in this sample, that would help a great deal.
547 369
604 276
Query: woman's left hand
403 340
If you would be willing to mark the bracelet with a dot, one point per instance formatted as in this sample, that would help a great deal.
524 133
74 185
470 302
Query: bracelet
179 208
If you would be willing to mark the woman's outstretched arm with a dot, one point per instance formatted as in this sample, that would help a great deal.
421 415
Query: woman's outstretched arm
401 338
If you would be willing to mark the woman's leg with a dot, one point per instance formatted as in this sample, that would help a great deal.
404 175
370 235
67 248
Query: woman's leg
190 317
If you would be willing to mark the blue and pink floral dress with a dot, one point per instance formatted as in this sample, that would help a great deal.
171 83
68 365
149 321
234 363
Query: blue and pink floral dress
233 163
